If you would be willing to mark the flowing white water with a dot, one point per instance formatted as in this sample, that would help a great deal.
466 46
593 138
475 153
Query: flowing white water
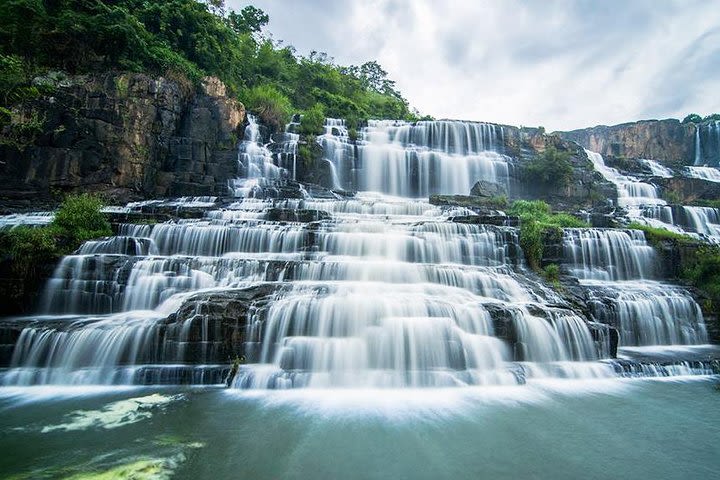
657 169
710 174
707 144
369 290
416 159
32 219
632 193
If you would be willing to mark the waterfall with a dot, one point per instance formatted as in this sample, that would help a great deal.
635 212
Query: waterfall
597 254
609 264
338 151
298 286
416 159
632 193
657 169
8 222
710 174
649 313
707 144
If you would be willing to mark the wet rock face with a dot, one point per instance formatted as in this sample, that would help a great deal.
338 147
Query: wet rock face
484 188
667 141
211 326
129 136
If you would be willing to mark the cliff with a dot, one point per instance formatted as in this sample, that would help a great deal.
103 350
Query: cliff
667 141
126 135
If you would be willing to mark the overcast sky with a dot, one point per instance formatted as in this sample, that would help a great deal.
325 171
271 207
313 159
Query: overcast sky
561 64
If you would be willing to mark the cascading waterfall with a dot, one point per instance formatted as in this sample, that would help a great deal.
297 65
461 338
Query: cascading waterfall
368 290
710 174
657 169
597 254
649 313
642 202
707 144
609 264
632 193
387 293
416 159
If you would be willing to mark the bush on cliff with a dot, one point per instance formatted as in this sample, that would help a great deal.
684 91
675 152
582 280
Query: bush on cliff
703 271
656 235
536 221
552 168
313 120
271 106
29 248
79 219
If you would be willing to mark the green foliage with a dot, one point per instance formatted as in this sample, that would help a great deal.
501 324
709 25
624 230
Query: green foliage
306 155
552 168
249 20
703 272
270 105
313 120
707 203
656 235
189 39
692 118
552 273
21 128
712 117
80 218
29 247
15 83
672 197
537 221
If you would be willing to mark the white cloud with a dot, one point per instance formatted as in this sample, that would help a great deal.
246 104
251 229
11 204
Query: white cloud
555 63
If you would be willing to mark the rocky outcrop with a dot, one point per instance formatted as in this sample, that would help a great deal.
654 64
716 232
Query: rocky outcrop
125 135
688 190
667 141
585 188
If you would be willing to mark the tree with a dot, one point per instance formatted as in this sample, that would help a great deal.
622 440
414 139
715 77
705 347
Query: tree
249 20
692 118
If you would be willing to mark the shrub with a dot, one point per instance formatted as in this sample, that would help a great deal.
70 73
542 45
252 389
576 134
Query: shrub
536 221
313 120
552 273
80 219
29 247
269 104
552 168
704 271
656 235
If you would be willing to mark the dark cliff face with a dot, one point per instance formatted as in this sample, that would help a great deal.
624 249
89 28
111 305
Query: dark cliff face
667 141
127 136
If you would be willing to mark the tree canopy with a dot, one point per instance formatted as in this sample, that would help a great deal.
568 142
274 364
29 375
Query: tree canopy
192 38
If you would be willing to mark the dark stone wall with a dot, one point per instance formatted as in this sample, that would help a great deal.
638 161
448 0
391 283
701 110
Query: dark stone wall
126 135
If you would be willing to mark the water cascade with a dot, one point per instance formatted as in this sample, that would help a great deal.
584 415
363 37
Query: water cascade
294 286
707 144
710 174
416 159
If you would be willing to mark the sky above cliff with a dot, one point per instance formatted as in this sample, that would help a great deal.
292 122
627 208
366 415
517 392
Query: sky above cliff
559 64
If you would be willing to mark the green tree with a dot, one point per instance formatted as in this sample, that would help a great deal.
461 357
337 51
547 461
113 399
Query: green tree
692 118
552 168
313 120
